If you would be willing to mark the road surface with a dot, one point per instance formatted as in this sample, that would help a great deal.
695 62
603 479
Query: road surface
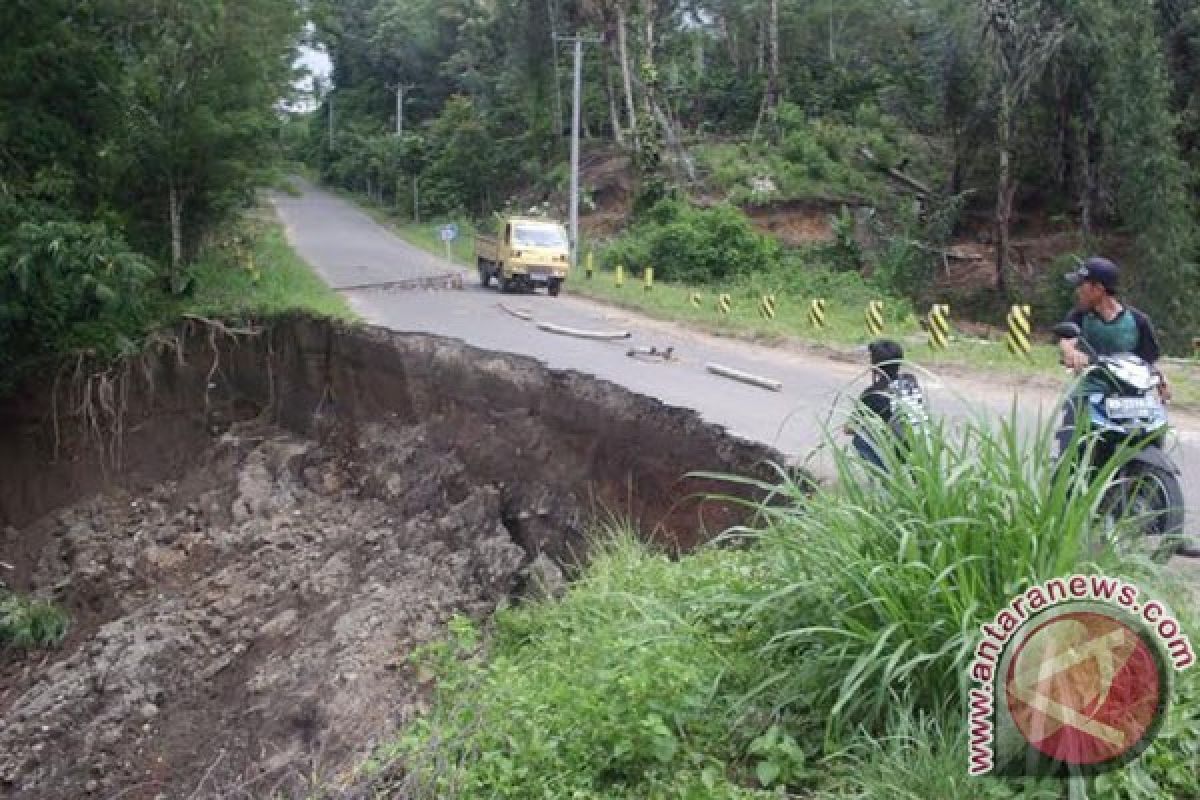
364 261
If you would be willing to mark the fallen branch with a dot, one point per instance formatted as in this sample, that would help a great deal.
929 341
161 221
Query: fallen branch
745 377
564 331
909 181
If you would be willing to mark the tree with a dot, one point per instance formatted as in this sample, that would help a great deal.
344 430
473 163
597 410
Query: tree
1022 36
201 79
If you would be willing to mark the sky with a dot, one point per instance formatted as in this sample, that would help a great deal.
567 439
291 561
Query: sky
317 63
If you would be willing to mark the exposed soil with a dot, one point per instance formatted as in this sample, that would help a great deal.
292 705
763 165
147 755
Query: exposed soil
292 512
795 224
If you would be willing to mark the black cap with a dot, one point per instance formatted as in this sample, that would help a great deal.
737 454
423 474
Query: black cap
1097 270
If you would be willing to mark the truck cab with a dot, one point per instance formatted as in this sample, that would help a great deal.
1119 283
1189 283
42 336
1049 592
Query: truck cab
527 253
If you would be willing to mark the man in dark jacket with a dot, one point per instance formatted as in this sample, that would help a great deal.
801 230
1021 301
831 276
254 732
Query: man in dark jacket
894 397
1108 326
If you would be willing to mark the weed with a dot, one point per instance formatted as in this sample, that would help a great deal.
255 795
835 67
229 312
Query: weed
26 624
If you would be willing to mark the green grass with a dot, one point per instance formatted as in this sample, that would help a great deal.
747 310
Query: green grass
845 319
254 271
26 624
427 236
825 654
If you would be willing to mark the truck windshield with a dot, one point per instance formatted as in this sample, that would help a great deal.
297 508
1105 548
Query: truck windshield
539 236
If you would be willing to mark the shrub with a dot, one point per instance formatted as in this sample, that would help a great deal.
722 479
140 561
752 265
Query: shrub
66 285
26 624
694 245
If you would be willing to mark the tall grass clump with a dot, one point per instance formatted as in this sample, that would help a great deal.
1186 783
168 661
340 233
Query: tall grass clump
892 572
26 624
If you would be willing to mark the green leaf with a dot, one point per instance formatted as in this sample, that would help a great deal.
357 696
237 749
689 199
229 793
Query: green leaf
767 773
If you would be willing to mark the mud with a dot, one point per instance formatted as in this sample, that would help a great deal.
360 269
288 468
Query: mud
251 532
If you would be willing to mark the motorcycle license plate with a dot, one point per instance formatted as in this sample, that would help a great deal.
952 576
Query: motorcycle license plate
1126 407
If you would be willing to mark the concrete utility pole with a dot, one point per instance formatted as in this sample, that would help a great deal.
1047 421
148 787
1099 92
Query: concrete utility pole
400 90
575 127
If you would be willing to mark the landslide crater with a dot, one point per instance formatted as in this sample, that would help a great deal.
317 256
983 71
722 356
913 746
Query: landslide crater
252 528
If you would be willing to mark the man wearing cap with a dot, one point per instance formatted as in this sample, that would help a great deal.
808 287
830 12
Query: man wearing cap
1109 326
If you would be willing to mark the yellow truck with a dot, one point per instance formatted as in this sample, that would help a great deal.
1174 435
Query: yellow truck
528 252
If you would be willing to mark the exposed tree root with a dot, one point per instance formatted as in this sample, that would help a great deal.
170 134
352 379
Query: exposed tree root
95 402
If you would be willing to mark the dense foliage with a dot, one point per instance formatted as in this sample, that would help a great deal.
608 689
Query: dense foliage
1011 113
129 132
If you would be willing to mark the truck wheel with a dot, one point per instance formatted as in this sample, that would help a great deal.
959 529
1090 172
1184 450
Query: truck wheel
552 288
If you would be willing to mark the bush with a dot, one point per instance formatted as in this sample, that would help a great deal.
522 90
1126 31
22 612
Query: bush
67 285
693 245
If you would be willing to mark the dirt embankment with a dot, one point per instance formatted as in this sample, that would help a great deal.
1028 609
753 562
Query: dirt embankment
278 520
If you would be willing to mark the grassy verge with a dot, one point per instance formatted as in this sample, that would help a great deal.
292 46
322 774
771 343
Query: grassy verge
825 657
254 270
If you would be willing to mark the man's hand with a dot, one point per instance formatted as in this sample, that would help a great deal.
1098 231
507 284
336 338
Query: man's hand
1164 388
1072 358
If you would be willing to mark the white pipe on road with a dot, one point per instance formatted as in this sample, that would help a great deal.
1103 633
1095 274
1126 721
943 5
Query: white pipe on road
746 377
519 313
562 330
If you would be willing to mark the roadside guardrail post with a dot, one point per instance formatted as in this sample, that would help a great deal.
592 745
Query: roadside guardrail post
874 317
1020 330
816 313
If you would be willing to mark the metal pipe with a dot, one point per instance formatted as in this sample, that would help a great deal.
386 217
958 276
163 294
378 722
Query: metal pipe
745 377
550 327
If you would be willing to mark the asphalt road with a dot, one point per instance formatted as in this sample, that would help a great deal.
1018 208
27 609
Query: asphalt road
353 254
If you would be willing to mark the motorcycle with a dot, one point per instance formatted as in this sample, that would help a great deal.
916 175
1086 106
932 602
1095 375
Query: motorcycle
1129 415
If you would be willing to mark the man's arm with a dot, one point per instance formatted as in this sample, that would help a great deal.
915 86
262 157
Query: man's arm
1149 351
1147 347
1072 357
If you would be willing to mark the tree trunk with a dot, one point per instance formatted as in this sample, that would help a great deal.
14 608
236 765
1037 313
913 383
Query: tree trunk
626 77
832 53
1090 158
674 144
175 210
956 174
770 99
773 73
1066 150
730 43
762 47
649 11
618 134
1004 191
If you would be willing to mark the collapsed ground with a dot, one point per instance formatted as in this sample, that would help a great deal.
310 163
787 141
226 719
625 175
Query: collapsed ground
295 510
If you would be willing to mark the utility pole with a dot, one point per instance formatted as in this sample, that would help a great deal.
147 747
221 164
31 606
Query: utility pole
401 88
575 126
330 96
